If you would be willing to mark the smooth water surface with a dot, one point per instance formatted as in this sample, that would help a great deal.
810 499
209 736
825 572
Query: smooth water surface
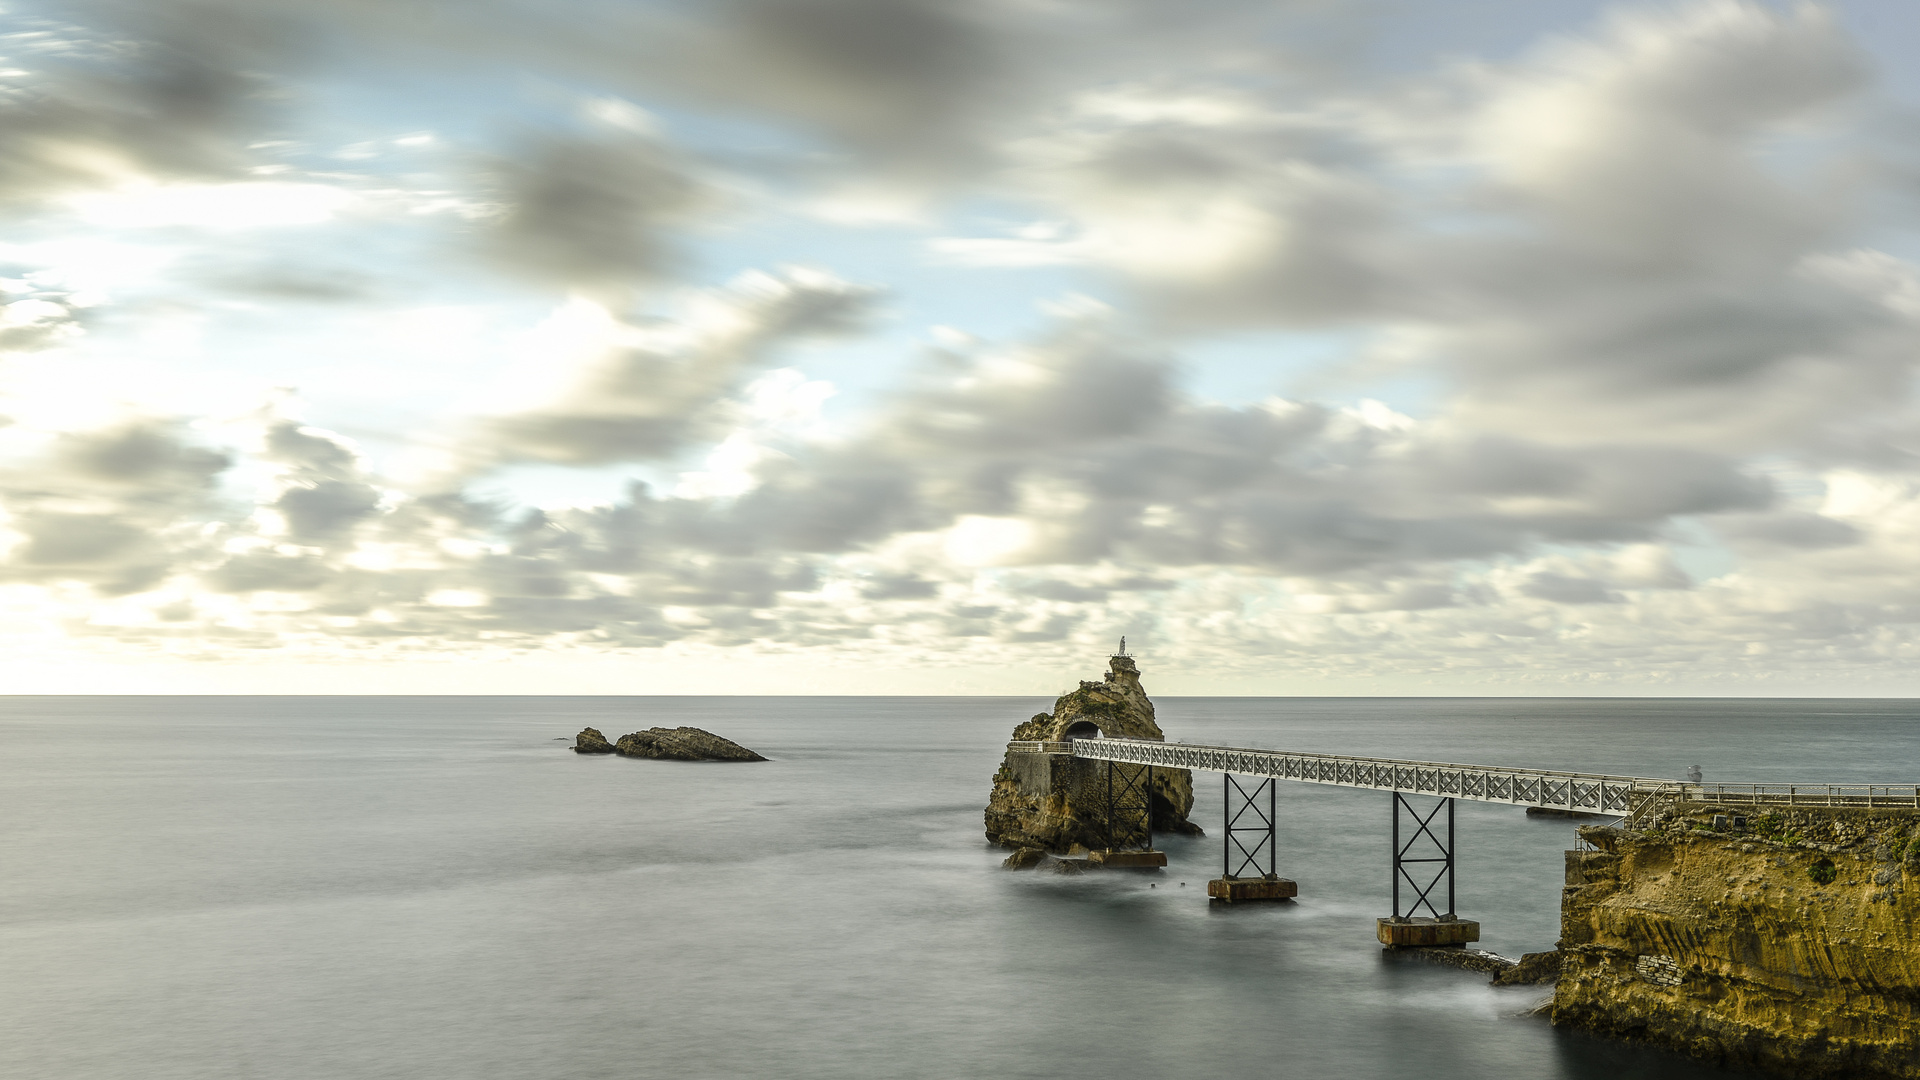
438 887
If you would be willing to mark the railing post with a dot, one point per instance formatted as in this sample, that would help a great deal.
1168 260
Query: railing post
1393 865
1148 812
1226 834
1110 804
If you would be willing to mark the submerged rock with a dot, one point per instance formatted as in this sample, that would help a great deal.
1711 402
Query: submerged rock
590 741
1480 960
1056 802
1024 859
683 744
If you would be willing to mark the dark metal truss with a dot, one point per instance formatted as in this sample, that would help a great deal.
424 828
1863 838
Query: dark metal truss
1430 852
1258 821
1129 807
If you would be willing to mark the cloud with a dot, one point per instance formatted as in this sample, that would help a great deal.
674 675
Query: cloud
1564 589
37 322
909 76
1786 529
105 508
179 100
880 98
1217 218
1660 409
1641 141
1077 449
907 94
631 393
594 212
1600 237
324 494
1670 277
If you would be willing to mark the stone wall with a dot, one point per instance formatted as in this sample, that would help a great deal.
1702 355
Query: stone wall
1780 942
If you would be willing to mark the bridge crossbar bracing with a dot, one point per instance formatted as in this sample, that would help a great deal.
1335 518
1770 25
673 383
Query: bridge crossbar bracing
1581 792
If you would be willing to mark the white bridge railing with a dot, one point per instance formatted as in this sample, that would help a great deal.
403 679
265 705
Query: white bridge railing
1587 792
1866 795
1038 746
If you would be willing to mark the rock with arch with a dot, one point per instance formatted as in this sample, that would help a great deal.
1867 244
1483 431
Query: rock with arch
1056 802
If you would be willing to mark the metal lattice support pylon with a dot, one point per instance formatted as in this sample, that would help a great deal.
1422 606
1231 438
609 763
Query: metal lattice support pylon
1129 807
1262 825
1423 830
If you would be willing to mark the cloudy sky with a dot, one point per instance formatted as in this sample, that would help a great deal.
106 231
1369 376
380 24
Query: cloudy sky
928 346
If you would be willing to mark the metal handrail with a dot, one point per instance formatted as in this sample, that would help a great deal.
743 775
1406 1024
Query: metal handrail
1039 746
1479 783
1868 795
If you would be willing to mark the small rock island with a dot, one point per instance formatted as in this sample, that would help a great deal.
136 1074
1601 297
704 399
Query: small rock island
1054 803
671 744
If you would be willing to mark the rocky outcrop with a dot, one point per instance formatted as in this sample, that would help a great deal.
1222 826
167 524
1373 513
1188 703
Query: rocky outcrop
1781 942
1055 802
590 741
1025 858
682 744
1480 960
1533 968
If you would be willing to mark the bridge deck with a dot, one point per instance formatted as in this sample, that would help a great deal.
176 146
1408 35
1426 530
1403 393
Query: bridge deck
1587 792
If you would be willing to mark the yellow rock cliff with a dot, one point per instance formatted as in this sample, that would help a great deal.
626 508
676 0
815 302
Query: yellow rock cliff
1782 942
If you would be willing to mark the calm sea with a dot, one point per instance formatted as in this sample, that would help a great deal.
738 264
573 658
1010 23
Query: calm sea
436 887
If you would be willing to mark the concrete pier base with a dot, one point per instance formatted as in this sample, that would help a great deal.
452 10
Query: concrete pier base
1128 860
1422 932
1241 890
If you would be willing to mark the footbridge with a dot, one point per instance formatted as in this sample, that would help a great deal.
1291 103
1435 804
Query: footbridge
1594 793
1422 864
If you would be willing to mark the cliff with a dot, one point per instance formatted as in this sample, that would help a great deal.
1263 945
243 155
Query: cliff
1780 942
1056 802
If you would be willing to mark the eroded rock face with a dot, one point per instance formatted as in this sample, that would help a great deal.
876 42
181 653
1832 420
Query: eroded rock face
1533 968
590 741
1787 947
1055 802
683 744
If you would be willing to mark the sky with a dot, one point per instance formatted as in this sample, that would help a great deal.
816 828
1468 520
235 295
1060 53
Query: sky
930 346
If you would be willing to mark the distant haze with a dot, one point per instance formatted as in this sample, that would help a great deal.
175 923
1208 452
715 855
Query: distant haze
929 346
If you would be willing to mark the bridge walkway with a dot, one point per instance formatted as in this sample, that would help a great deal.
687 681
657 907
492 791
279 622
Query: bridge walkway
1595 793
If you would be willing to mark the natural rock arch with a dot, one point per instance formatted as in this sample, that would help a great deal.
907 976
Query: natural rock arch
1057 803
